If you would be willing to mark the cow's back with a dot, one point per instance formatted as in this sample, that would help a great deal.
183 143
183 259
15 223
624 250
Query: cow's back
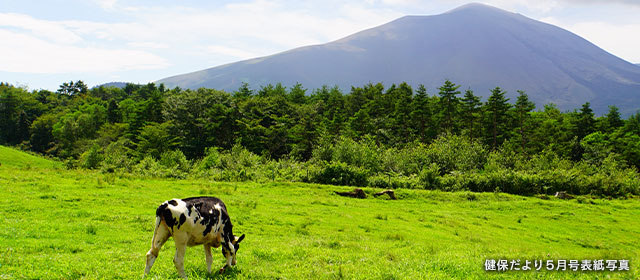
205 203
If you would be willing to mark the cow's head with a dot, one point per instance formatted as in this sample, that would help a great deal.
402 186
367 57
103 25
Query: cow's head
236 246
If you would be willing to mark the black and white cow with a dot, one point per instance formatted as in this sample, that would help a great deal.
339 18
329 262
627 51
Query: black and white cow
194 221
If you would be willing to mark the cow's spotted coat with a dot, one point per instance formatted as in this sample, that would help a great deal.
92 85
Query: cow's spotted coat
194 221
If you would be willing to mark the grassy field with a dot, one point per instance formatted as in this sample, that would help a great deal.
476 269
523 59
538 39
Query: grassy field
70 224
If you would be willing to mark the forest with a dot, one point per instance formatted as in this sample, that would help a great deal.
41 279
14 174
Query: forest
388 137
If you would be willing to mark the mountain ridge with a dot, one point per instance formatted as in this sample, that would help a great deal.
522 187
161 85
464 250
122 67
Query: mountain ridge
475 45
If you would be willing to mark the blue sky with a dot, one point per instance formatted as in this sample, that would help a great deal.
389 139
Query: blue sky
46 43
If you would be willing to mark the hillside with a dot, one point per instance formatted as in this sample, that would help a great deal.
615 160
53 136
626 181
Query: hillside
12 158
477 46
68 224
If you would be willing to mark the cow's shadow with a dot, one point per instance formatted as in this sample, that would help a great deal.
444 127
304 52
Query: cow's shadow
231 273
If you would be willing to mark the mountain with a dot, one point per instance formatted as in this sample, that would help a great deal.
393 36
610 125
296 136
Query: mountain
112 84
477 46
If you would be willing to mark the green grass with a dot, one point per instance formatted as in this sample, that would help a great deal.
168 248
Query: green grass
61 224
13 158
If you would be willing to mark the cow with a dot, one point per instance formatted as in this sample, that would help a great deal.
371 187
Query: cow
194 221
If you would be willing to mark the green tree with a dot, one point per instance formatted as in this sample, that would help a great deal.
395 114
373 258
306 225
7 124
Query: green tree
202 118
596 147
72 89
41 138
155 139
297 94
8 114
522 113
243 91
113 112
402 98
612 120
585 122
271 90
81 124
360 124
331 107
471 107
421 114
497 120
448 105
304 133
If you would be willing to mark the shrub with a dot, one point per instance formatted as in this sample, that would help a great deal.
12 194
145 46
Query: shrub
237 164
429 177
149 167
175 164
364 154
92 158
118 156
393 181
211 159
456 153
340 173
239 158
283 169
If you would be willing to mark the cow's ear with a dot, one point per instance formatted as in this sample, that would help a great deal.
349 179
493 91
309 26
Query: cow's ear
238 239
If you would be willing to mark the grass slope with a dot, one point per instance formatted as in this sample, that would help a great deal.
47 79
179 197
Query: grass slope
13 158
59 224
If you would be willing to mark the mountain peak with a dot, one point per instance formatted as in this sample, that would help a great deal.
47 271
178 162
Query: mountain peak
476 7
477 45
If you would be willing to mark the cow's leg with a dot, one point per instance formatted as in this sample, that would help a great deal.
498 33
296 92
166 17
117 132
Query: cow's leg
207 253
181 248
160 236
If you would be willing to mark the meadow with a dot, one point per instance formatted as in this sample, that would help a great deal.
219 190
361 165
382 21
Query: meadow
80 224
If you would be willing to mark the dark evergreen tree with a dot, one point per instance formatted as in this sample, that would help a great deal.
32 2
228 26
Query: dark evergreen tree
113 113
613 119
243 91
401 116
297 94
496 117
471 107
448 105
522 113
71 88
421 114
585 123
8 114
41 136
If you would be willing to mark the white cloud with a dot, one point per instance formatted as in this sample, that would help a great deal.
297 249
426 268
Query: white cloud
240 30
625 2
400 2
108 5
45 29
28 54
538 6
147 45
181 33
617 39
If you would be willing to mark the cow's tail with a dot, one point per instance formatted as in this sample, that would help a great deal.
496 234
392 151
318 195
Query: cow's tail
153 252
159 212
155 229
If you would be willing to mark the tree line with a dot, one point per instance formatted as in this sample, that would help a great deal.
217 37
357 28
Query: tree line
275 122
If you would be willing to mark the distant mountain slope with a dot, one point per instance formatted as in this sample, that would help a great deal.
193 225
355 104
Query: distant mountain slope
113 84
477 46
